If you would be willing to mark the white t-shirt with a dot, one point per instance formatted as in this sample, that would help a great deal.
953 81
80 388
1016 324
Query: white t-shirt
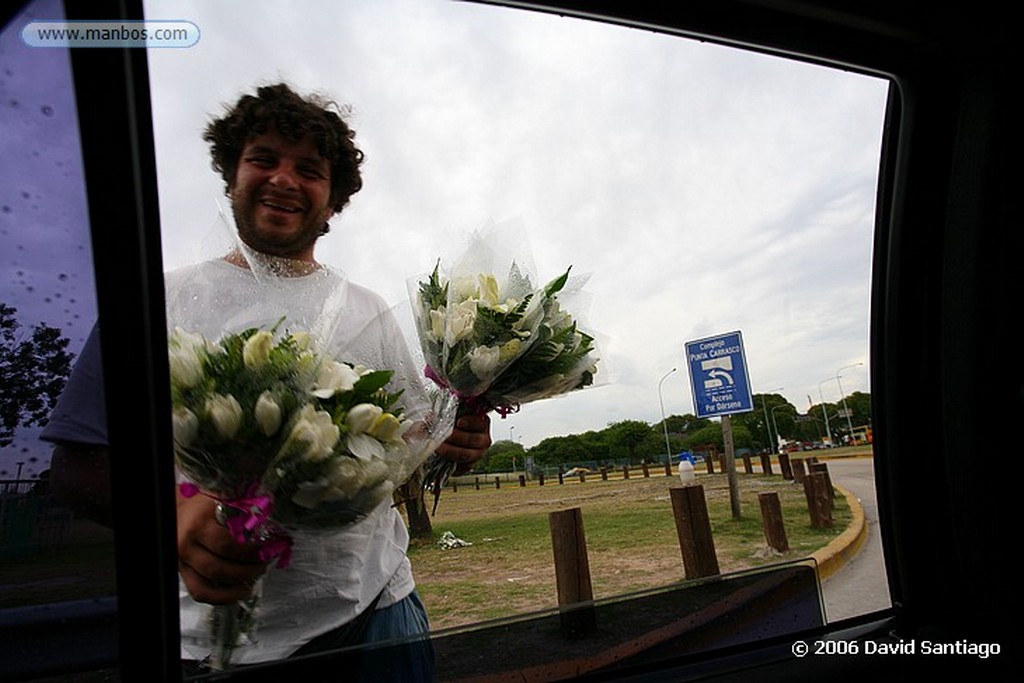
333 575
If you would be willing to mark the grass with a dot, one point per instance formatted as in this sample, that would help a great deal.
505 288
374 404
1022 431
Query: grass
78 567
632 543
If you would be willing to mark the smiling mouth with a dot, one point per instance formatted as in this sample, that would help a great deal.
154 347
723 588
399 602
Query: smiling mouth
277 206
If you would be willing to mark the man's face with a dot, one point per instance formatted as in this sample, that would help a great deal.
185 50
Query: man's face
281 196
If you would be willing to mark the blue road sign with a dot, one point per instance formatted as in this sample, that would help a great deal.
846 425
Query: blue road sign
718 375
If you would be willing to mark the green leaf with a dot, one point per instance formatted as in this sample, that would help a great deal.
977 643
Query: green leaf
371 382
556 285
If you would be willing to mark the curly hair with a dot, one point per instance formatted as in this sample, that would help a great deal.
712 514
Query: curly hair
292 116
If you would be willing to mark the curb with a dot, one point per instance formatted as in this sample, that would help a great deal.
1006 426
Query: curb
846 545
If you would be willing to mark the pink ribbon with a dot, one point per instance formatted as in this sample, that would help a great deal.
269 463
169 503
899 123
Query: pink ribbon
252 523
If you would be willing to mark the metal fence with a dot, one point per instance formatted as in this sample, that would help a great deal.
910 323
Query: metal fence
30 521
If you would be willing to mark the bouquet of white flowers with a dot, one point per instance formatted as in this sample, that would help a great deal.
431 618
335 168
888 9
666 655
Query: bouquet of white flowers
497 344
286 438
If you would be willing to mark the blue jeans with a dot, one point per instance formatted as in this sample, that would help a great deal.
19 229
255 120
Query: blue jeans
401 662
411 661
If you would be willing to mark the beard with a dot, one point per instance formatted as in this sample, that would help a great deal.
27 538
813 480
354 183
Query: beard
275 238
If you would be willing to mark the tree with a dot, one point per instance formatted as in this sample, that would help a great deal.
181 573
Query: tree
759 422
859 404
557 450
633 436
34 371
709 435
501 456
416 502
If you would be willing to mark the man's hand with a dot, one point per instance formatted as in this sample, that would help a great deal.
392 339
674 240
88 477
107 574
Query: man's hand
215 568
468 442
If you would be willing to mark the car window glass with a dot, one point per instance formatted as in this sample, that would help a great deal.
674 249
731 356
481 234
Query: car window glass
703 189
53 563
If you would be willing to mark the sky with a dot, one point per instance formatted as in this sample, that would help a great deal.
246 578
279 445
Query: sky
703 189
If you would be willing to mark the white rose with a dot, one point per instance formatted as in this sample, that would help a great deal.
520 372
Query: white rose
372 472
488 289
460 322
346 477
267 413
436 330
256 351
483 360
225 414
387 427
185 365
509 350
302 340
463 288
314 435
557 318
307 364
186 426
186 340
362 417
333 377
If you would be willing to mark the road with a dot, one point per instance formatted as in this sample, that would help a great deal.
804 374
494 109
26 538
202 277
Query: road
860 586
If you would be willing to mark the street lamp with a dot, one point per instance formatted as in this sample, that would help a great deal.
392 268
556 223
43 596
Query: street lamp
828 431
513 450
784 405
664 426
846 409
764 405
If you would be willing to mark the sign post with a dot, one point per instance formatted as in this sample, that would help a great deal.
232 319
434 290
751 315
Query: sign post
721 387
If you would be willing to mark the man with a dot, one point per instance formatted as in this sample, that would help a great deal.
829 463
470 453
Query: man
289 164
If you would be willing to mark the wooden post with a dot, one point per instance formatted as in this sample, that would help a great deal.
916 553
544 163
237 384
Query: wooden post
710 461
771 519
497 482
522 481
625 471
693 526
540 479
604 474
647 473
477 483
819 504
748 466
561 477
786 466
572 571
766 463
823 468
668 469
455 486
729 467
583 477
799 470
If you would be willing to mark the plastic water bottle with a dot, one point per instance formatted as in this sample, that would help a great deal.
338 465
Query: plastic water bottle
686 474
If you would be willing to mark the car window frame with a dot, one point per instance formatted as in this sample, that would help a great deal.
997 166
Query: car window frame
121 178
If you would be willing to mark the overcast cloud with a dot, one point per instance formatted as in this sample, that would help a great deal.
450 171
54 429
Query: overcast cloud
705 189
